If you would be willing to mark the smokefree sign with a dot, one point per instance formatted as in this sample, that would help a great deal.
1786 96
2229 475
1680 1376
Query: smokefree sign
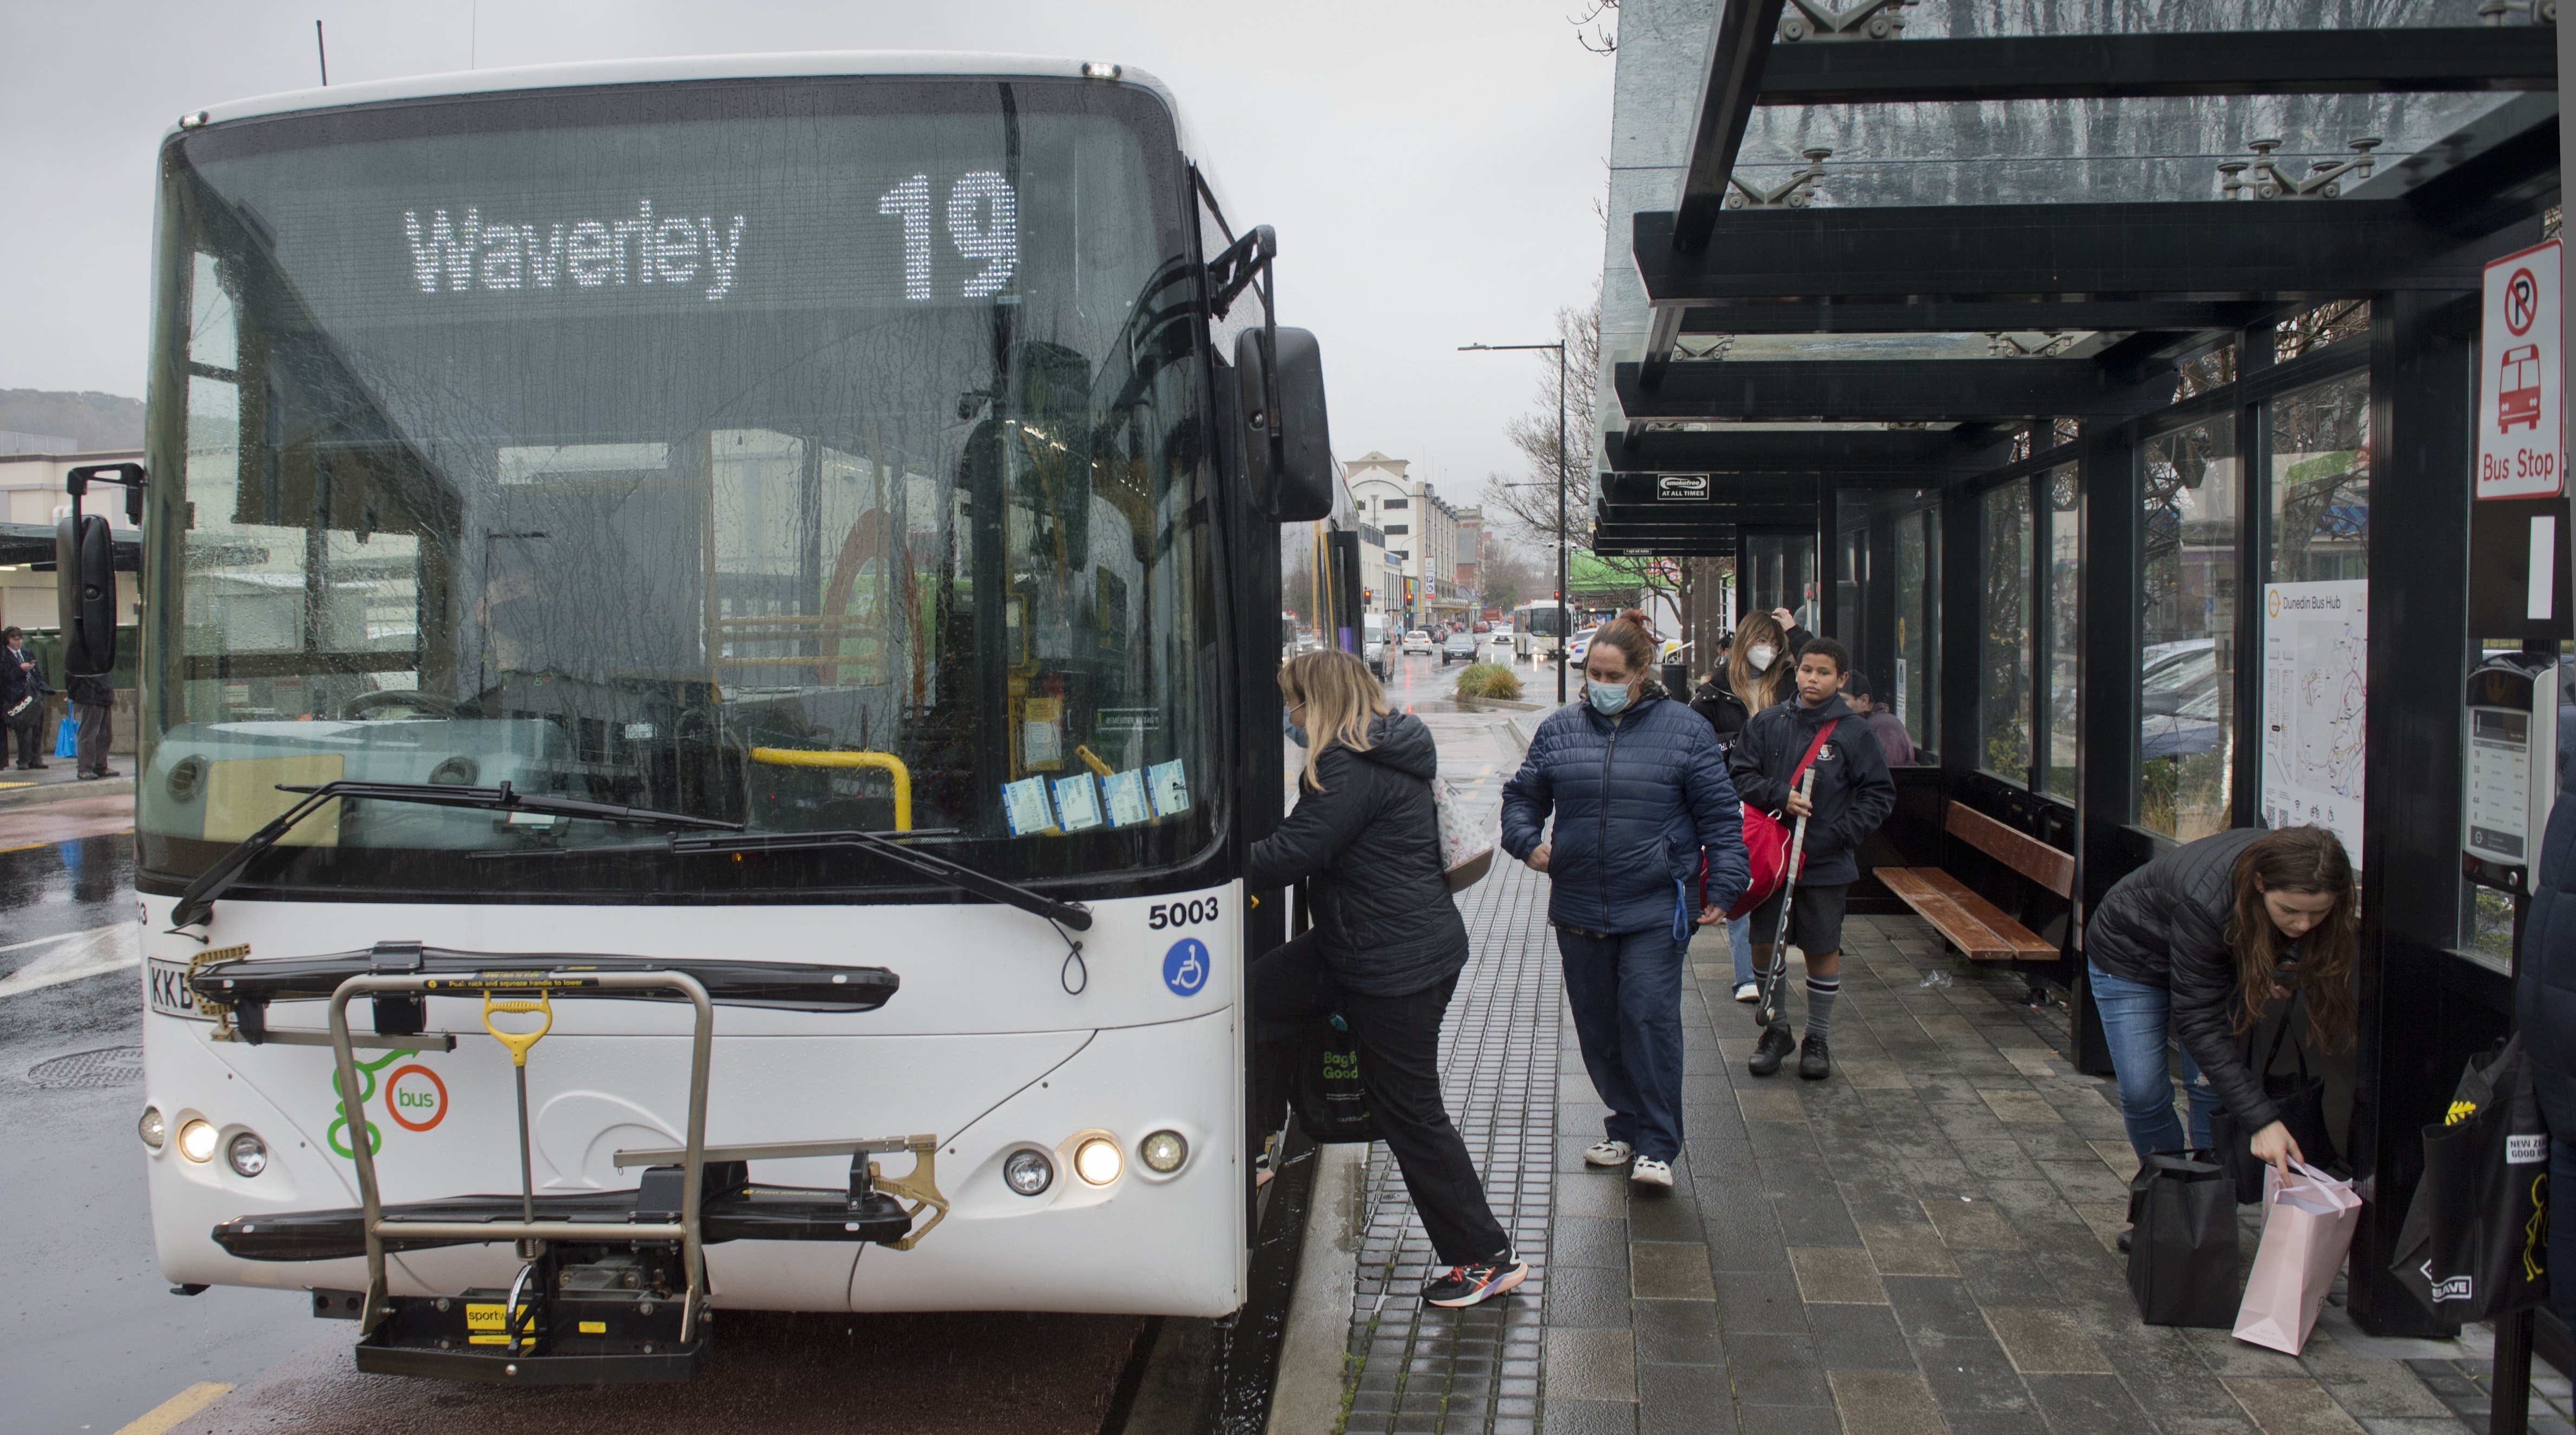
457 252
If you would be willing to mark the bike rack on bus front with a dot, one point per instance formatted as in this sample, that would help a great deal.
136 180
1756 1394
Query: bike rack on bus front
531 982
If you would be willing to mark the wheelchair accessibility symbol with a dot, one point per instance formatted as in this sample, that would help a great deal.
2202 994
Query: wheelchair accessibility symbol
1185 967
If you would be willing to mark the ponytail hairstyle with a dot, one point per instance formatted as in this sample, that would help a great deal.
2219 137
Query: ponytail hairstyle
1341 700
1758 690
1627 636
2297 859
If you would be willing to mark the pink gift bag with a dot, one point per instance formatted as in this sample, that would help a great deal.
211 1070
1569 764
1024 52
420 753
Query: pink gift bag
2308 1222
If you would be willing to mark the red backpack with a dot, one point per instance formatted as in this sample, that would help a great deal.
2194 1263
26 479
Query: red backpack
1766 839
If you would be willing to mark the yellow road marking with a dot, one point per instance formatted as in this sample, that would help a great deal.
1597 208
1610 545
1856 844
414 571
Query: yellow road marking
1486 771
17 784
170 1412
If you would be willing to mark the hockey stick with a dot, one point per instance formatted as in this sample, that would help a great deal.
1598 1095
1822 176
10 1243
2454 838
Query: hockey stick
1766 1013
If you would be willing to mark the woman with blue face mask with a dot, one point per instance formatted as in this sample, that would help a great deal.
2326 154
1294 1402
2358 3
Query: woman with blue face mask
1646 845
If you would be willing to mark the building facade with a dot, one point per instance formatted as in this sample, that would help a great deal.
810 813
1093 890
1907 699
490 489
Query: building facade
1421 533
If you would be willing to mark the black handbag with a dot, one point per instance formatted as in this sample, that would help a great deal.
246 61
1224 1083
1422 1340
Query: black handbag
2301 1100
2475 1242
2182 1253
1326 1092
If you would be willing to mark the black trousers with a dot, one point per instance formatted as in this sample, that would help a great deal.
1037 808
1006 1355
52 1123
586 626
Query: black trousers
1399 1046
30 728
97 730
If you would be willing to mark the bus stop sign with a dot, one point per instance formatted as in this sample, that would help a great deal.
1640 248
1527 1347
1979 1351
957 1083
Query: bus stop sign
2521 384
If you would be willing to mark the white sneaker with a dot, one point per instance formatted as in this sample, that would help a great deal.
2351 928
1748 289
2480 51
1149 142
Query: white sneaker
1748 991
1608 1153
1650 1172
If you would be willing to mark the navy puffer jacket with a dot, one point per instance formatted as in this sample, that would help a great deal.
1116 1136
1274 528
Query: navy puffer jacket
2544 987
1639 800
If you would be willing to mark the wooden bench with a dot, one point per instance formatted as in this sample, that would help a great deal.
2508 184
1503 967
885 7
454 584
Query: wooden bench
1967 921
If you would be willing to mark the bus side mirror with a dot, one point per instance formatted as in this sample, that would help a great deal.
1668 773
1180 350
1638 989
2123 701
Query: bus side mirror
1291 469
85 593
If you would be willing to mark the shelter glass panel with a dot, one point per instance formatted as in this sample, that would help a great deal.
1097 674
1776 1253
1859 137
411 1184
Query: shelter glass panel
2186 679
2004 681
2321 483
1884 605
1780 572
1962 19
2062 637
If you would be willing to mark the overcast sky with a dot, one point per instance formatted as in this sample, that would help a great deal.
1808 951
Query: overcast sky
1431 166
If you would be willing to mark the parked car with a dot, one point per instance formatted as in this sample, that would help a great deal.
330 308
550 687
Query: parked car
1582 640
1419 641
1461 647
2192 727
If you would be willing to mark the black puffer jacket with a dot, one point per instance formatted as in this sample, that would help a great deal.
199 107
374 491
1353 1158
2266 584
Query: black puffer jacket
2166 925
1371 841
1853 793
2544 986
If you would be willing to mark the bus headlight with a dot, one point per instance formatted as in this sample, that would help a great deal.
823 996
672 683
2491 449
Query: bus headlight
1028 1172
247 1155
1097 1160
152 1128
1163 1152
197 1140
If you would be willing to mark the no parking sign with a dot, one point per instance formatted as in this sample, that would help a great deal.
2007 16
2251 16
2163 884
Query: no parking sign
2521 379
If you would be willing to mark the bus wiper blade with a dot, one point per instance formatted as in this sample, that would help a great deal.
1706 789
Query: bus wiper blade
938 869
198 900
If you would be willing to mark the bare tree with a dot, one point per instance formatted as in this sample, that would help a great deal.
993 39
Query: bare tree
1597 28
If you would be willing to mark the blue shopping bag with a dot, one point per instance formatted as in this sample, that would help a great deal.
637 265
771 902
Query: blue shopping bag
67 738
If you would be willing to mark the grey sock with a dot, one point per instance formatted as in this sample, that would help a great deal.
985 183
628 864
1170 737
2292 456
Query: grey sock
1821 992
1764 976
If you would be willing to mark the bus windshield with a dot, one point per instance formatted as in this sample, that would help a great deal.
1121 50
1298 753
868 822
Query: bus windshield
811 454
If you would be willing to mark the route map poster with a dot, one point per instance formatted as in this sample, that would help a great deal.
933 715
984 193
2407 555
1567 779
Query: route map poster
2315 648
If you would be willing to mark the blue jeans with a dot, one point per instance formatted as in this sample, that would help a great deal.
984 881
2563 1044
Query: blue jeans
1626 992
1739 935
2135 1018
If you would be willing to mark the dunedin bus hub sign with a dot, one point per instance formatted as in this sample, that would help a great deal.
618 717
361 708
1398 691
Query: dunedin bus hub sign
2521 378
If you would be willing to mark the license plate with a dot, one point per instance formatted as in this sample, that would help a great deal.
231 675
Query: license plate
166 983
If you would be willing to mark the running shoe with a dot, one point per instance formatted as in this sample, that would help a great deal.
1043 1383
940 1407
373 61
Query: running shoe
1748 991
1474 1284
1650 1172
1608 1153
1775 1046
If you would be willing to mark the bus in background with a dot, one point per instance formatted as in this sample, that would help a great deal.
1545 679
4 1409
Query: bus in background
1539 630
631 547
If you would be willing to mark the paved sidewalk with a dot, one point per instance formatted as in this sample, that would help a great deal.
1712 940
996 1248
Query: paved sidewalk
1922 1242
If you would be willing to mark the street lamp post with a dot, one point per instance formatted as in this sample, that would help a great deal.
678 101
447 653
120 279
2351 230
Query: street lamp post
1564 626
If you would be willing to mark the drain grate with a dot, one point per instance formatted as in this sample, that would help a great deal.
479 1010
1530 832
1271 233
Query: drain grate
107 1066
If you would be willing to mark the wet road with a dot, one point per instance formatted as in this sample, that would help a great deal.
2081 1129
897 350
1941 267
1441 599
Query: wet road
90 1338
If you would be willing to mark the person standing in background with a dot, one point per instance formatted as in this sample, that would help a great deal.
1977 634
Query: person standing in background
94 705
1755 676
22 700
1892 736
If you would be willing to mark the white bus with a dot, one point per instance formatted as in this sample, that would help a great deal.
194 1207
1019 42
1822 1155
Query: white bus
1539 630
774 552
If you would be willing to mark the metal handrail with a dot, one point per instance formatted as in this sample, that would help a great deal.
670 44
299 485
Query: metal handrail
883 761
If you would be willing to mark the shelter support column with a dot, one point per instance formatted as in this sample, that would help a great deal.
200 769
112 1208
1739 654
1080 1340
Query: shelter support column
2107 720
2421 393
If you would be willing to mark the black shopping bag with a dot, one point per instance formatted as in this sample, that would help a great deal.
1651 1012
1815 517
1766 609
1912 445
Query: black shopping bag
2182 1254
2475 1242
1330 1101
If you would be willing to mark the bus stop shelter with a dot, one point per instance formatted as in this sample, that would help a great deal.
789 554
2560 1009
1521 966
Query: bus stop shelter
2039 351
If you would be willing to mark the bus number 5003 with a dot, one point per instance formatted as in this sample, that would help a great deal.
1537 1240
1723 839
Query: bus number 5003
1180 914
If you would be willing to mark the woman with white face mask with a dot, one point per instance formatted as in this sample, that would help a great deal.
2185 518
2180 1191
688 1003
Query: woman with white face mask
1642 805
1756 676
